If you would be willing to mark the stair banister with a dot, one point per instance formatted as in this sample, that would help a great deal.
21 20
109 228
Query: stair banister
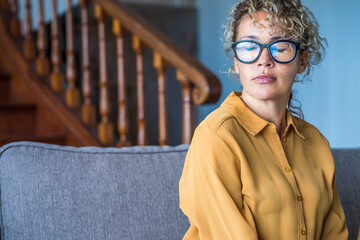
197 74
198 84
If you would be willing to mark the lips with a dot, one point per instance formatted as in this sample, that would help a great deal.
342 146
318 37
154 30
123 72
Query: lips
264 79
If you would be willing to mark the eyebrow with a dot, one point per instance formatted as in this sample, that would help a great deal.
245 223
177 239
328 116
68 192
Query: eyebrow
253 37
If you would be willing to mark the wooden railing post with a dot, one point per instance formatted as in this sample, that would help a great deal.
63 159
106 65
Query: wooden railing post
88 110
72 95
42 62
105 128
57 77
29 43
160 65
15 24
187 107
138 47
122 121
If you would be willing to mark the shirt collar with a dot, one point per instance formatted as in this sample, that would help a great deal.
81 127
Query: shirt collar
252 122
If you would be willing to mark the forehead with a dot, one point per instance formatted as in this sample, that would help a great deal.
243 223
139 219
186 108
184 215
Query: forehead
257 25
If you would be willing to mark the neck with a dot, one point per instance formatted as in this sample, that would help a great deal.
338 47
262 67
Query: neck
273 111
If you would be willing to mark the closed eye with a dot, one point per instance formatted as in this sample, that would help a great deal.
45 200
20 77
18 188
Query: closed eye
250 48
280 50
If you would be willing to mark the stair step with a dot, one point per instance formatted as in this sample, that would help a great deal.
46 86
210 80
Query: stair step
52 139
17 119
4 87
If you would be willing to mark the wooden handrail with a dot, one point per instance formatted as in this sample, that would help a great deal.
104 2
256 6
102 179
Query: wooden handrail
197 73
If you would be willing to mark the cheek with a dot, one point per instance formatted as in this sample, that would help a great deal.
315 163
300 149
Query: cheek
243 70
288 72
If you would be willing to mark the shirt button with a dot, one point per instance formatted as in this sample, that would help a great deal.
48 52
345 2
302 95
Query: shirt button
288 169
299 198
284 140
303 232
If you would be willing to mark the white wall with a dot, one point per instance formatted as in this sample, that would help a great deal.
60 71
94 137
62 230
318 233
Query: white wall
331 100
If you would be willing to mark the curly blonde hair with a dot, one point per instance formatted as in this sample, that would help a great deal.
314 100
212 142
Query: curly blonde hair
296 22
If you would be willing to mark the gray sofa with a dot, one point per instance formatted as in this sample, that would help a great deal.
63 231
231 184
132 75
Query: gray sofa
51 192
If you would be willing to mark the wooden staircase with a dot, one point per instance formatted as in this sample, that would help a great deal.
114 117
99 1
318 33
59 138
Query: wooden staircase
19 120
22 119
44 100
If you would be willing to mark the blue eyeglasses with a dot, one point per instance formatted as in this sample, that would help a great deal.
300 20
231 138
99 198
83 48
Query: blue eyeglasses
281 51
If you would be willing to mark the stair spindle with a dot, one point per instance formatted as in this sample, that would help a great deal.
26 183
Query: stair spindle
72 92
29 43
138 47
122 121
57 77
88 111
187 107
42 62
105 128
15 24
160 65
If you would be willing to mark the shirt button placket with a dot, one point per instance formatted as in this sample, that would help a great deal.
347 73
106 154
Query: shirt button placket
279 148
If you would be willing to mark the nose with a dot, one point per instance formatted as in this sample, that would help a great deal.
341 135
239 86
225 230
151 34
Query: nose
265 60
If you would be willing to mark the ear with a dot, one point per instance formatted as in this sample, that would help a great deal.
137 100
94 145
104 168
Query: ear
235 66
304 59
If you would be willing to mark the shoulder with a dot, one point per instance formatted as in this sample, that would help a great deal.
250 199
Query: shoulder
219 120
311 133
317 147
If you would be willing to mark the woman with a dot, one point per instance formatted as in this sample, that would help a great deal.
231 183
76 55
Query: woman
253 170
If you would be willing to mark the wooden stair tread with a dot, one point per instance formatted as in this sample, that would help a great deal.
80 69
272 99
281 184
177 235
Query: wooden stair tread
17 118
14 105
4 87
54 138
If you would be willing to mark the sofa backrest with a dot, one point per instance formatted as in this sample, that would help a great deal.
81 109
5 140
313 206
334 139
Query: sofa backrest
57 192
348 185
53 192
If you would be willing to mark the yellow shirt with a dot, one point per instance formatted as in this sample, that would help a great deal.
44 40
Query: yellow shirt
242 181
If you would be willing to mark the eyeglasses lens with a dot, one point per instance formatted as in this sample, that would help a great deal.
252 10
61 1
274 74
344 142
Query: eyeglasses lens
247 51
283 51
280 51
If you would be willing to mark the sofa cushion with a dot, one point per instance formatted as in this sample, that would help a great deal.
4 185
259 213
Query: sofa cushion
348 184
56 192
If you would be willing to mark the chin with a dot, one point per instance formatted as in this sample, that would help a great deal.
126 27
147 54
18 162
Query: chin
265 94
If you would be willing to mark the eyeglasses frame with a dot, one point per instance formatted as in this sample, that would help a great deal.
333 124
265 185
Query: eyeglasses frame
297 45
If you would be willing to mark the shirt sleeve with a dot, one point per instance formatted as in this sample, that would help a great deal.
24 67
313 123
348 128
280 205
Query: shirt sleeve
210 191
334 226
